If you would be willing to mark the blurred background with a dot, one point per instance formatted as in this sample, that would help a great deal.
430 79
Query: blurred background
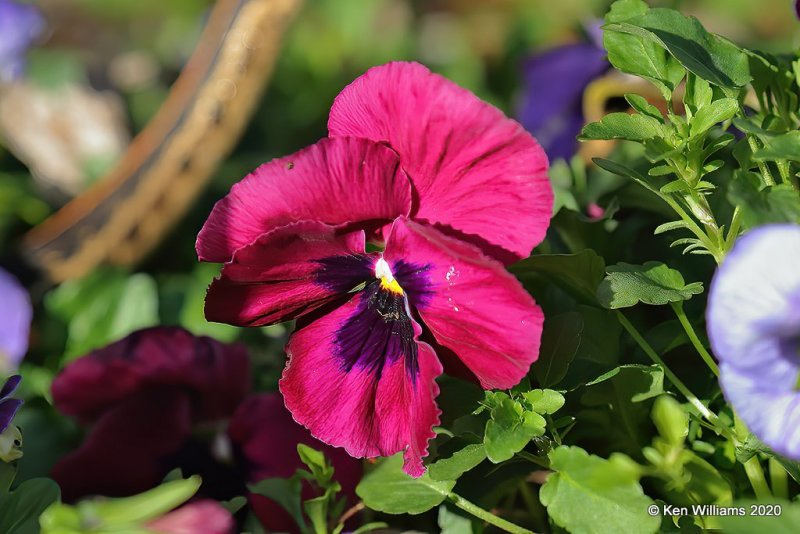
93 73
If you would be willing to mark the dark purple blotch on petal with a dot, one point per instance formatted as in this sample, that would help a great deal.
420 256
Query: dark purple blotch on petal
342 274
379 332
414 280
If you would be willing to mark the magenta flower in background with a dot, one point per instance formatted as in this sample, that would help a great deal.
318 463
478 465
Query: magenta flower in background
161 399
20 25
15 322
451 190
206 516
143 396
265 438
753 321
555 80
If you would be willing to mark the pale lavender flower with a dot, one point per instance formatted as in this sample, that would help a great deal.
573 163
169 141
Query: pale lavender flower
15 321
20 25
753 321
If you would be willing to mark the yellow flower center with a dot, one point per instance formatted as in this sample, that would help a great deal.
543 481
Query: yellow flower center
384 273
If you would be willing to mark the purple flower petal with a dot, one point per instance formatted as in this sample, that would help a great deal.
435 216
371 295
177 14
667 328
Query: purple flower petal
20 26
753 321
8 409
10 386
15 319
552 108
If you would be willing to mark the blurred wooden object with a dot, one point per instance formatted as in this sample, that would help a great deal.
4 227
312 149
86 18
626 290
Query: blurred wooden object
124 216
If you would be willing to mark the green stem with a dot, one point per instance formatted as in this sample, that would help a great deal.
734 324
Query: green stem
752 467
687 327
733 231
765 172
489 517
694 227
541 462
778 479
757 479
783 170
535 508
679 385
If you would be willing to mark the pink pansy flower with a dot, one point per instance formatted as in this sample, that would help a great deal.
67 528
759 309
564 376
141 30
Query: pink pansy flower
205 516
449 190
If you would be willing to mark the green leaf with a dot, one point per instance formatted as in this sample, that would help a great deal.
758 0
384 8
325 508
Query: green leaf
786 522
452 523
55 69
640 104
710 57
320 468
780 147
510 427
652 283
633 381
639 56
103 307
560 341
578 274
544 401
622 126
459 463
590 495
698 93
708 116
668 227
599 350
144 506
671 420
235 504
192 312
704 484
617 406
772 204
622 170
388 489
317 511
20 509
285 492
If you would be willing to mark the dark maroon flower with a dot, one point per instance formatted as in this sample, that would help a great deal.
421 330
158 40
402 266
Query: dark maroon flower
266 437
144 396
156 401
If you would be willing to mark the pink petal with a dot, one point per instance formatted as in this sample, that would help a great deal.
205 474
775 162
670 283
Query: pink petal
354 381
205 516
476 171
335 181
287 273
471 304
